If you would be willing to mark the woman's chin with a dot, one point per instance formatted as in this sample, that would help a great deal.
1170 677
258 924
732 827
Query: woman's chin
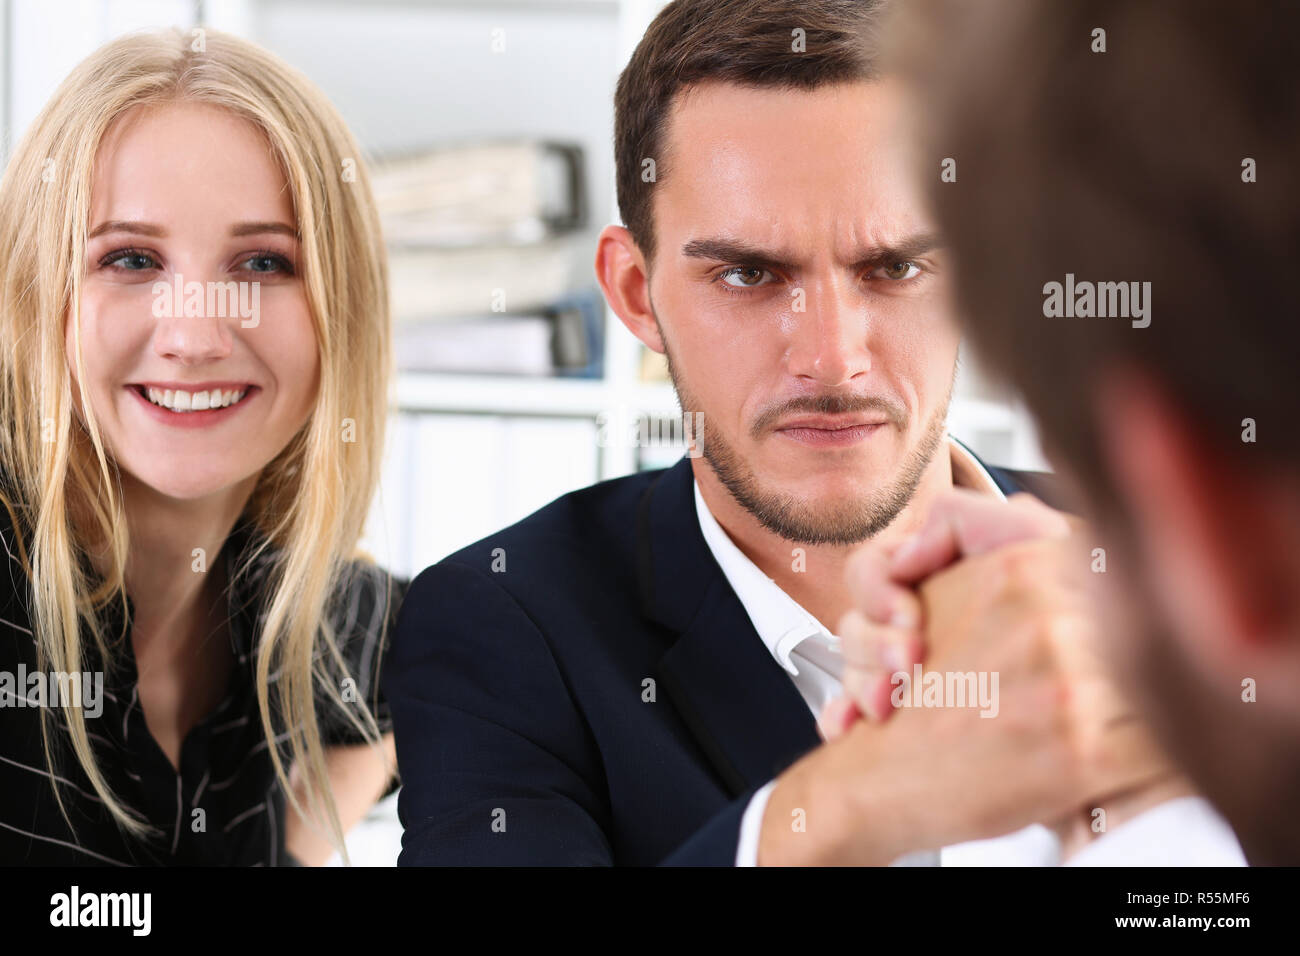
182 485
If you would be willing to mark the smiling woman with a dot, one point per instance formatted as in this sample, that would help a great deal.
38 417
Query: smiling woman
185 480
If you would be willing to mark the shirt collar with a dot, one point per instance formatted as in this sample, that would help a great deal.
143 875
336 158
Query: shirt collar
779 619
781 622
969 472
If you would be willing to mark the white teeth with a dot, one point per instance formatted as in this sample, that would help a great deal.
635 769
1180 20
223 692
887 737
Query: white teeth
181 401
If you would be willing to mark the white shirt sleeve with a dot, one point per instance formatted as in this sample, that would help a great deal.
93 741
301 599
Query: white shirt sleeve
1183 832
751 826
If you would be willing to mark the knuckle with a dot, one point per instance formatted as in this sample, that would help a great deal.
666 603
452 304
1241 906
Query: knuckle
1054 639
1085 752
1018 570
1061 632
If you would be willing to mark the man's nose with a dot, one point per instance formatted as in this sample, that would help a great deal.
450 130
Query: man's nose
828 342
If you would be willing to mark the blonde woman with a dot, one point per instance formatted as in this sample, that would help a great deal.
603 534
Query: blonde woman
194 352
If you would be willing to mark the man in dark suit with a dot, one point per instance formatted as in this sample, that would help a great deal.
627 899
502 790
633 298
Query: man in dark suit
585 687
628 675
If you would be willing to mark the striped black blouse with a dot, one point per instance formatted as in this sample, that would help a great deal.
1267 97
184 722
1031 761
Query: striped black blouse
225 806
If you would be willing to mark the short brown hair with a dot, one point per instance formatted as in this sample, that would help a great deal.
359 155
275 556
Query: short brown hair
749 42
1128 164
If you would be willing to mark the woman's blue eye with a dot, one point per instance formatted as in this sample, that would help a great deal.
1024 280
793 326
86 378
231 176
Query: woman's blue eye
132 260
268 263
129 261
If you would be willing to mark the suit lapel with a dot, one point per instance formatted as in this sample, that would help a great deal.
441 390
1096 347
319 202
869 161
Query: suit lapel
740 706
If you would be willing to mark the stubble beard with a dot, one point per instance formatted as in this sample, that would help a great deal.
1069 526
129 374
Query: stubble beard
802 522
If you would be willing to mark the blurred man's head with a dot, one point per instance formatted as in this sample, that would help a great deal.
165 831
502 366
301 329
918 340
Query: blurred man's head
777 251
1150 142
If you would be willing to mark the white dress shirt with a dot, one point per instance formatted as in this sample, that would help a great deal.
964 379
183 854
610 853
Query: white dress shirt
1186 831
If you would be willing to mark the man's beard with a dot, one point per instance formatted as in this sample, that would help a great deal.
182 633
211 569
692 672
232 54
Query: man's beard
799 521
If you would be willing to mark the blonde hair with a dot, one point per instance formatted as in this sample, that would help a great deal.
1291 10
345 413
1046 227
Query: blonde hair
310 503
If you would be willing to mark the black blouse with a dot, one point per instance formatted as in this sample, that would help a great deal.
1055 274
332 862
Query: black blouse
225 806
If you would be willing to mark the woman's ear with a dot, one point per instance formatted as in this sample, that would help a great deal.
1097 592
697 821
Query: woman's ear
625 280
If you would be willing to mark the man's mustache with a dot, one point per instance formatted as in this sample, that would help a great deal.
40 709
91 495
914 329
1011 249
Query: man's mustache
828 403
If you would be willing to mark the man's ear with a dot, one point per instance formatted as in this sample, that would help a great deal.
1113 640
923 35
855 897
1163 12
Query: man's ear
624 278
1218 533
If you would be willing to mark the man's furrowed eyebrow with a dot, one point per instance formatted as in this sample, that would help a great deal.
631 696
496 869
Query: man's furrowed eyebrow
909 247
728 250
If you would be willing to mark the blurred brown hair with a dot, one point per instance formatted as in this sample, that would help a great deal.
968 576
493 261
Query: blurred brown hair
749 42
1123 165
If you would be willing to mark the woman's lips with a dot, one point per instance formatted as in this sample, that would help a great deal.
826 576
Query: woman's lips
203 418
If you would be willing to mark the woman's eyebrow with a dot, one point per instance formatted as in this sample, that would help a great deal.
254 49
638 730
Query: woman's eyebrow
158 232
127 225
253 228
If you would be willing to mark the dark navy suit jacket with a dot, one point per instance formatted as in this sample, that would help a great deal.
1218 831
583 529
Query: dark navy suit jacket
584 687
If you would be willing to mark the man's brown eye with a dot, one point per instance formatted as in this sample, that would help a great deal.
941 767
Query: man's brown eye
898 270
742 276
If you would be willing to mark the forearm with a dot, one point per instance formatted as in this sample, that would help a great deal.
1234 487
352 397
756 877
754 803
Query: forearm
358 775
829 809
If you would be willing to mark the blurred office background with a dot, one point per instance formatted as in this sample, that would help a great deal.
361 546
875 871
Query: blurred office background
489 127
